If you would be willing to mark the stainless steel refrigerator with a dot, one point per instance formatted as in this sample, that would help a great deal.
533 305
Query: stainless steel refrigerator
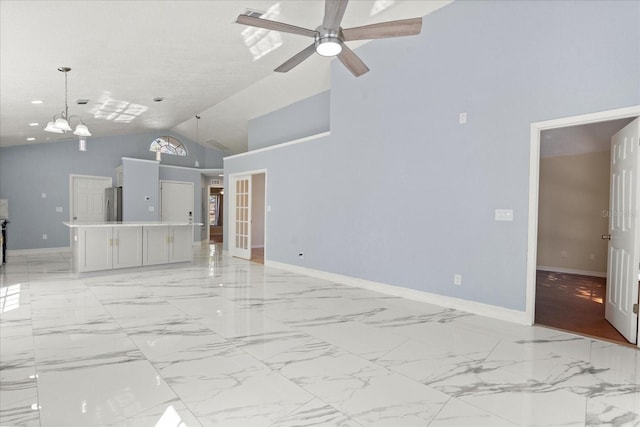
113 204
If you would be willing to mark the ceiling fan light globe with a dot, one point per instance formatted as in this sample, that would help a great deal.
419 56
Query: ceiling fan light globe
330 46
51 128
82 130
62 124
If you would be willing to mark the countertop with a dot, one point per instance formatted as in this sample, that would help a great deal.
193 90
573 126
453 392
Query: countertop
78 224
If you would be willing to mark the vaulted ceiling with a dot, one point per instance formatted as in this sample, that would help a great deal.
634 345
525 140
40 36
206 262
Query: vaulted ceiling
191 53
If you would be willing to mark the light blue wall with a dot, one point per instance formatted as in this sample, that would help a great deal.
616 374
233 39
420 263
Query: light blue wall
400 193
28 171
307 117
140 190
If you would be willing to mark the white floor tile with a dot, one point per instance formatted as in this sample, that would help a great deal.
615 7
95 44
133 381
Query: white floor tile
222 341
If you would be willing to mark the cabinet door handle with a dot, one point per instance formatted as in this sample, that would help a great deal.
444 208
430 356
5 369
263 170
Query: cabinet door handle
110 242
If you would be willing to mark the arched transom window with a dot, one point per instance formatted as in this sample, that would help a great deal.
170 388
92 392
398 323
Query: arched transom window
168 145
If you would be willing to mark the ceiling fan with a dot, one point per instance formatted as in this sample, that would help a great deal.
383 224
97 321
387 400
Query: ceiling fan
329 37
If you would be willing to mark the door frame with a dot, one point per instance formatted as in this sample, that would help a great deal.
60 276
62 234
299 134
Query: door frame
534 182
231 207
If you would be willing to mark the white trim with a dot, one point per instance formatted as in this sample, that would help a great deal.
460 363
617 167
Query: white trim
140 160
257 247
478 308
13 252
281 145
572 271
534 178
192 168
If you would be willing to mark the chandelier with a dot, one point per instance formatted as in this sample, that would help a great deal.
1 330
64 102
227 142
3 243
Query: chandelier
61 122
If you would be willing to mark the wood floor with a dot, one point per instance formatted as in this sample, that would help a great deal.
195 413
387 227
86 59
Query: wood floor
574 303
257 255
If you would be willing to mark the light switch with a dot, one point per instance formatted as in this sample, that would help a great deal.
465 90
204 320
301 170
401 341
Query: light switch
44 195
462 118
59 209
504 215
152 208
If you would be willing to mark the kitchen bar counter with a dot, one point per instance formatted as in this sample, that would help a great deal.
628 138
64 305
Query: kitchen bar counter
99 246
76 224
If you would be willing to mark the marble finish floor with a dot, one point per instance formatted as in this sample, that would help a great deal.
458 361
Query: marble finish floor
226 342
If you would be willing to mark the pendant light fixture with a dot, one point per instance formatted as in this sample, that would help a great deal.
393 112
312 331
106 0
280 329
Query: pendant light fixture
197 163
61 122
158 100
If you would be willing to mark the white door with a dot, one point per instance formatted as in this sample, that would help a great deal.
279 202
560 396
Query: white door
241 210
176 201
87 197
624 232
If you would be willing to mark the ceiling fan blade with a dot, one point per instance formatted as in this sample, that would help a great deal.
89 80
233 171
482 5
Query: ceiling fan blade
403 27
274 25
352 61
296 59
333 13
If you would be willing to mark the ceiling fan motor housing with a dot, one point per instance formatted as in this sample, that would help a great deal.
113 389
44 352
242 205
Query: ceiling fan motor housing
328 42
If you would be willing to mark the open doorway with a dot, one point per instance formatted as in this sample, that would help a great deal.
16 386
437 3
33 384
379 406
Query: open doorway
215 211
573 219
257 217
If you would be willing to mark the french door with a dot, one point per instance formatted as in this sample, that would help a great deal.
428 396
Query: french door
240 244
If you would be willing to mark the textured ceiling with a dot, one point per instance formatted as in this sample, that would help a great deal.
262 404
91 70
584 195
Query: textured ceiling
191 53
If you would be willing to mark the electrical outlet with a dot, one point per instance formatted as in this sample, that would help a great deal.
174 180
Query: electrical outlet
457 279
462 118
44 237
503 215
59 209
563 254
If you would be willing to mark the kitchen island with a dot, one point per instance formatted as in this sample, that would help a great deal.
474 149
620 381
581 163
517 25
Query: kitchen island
99 246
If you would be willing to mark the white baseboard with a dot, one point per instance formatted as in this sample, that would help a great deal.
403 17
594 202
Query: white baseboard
479 308
572 271
63 249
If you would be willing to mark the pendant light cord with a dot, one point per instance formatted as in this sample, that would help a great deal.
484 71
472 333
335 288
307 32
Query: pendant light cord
66 104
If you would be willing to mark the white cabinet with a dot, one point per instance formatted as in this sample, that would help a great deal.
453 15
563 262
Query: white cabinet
95 250
155 249
127 247
164 244
180 243
104 248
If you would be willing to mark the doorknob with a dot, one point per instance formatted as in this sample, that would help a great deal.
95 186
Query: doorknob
606 237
